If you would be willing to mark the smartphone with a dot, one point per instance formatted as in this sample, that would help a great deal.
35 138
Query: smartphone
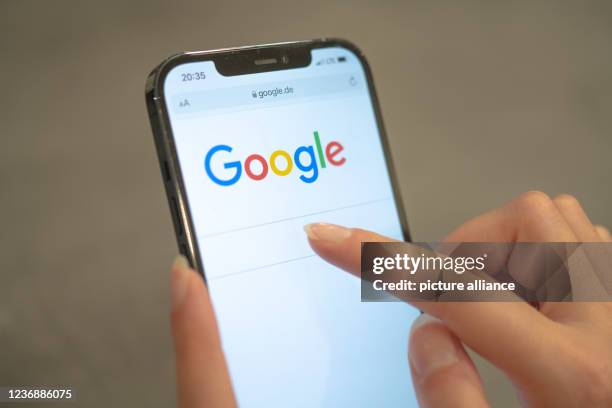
254 143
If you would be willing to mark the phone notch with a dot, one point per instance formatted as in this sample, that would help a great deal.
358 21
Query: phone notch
263 59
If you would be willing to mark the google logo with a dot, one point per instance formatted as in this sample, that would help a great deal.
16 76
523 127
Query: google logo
280 162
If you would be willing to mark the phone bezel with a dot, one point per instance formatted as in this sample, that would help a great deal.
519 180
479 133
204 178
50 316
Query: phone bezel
164 139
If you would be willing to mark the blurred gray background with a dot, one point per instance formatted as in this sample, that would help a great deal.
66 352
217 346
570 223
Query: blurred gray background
482 100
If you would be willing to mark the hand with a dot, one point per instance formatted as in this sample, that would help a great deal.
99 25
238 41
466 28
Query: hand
202 376
557 356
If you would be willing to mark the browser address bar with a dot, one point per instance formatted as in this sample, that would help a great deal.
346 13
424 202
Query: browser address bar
264 93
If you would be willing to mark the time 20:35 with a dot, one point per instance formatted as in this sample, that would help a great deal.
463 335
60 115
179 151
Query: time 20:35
193 76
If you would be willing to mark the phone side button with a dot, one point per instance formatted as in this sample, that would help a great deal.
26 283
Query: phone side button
183 250
176 216
166 171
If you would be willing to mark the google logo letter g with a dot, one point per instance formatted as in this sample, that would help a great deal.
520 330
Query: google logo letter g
280 162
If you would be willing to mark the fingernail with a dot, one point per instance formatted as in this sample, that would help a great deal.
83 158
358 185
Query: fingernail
430 350
327 232
181 273
423 320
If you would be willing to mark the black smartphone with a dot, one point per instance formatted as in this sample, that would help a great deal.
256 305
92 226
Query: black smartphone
254 143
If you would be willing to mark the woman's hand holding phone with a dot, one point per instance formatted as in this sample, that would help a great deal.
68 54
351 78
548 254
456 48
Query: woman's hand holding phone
558 355
201 371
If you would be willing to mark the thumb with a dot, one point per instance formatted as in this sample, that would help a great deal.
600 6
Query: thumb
442 372
202 376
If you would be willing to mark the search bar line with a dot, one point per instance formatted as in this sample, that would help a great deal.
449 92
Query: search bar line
254 249
255 95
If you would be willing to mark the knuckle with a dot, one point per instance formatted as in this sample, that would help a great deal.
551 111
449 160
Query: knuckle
596 376
567 200
533 202
598 390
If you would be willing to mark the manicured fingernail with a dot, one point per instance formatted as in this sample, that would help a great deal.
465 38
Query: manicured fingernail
423 320
430 350
327 232
181 274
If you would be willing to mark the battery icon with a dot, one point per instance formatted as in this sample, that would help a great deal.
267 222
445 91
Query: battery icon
342 59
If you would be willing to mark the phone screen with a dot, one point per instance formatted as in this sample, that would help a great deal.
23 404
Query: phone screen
261 155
